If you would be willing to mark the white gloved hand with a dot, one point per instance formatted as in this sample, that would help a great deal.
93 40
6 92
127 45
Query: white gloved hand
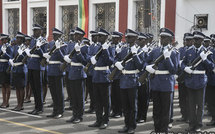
57 44
134 49
105 46
46 55
150 69
67 59
188 70
77 47
11 62
39 43
119 65
3 49
19 51
204 55
93 60
118 49
145 49
27 51
167 53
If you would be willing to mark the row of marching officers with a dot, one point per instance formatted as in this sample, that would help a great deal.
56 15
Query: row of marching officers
118 76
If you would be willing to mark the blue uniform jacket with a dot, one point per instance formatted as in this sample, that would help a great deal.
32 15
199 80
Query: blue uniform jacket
8 55
34 63
105 59
211 74
164 82
70 47
130 80
20 68
196 81
54 69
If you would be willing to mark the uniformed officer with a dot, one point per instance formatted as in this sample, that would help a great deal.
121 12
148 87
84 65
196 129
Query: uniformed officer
211 86
19 70
77 76
183 92
28 90
6 52
143 90
93 48
116 103
101 83
35 69
162 84
69 44
55 75
129 81
196 80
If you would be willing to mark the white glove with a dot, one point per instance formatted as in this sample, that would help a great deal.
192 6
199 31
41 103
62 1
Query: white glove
188 70
11 62
167 53
19 51
118 49
105 46
145 49
119 65
57 44
77 47
3 49
27 51
134 49
39 43
46 55
204 55
93 60
67 59
150 69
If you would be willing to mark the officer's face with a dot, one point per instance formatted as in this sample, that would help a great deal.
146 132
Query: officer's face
198 42
72 37
78 37
94 38
27 42
189 42
141 42
131 39
56 36
102 38
19 40
165 40
207 43
37 33
115 40
4 40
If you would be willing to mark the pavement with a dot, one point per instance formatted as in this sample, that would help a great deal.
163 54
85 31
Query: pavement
22 123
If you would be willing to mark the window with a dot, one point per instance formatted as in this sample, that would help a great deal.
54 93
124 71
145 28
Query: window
69 19
40 17
13 22
105 16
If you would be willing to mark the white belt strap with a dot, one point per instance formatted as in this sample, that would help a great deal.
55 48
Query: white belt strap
35 56
101 68
3 60
214 70
161 72
76 64
130 71
198 72
17 64
55 62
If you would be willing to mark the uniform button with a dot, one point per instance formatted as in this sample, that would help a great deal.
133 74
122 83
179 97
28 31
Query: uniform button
166 79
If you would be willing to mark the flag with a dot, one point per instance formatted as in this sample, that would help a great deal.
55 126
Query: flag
84 15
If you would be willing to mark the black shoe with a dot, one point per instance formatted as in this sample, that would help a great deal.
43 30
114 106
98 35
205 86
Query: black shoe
90 111
37 112
18 109
77 120
123 130
190 129
140 121
70 120
51 115
68 108
96 124
58 116
67 99
27 101
103 126
198 129
44 102
112 114
211 123
131 131
51 105
182 119
32 111
6 106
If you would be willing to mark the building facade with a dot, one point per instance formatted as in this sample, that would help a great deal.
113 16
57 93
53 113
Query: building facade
139 15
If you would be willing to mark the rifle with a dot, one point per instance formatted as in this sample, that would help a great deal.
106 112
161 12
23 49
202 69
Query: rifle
193 65
15 58
64 65
44 60
96 57
33 50
143 77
